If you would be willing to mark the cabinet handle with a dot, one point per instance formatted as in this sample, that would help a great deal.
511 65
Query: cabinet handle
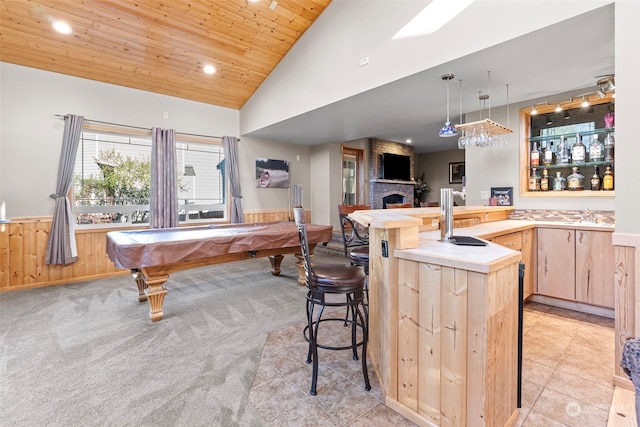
581 237
545 265
588 281
568 237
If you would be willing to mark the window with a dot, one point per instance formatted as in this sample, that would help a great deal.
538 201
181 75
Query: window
113 175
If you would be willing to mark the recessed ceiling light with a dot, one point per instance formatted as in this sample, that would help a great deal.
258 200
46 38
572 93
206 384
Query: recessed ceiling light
62 27
254 1
408 141
209 69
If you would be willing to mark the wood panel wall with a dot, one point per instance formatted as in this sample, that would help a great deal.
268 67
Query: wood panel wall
627 299
23 245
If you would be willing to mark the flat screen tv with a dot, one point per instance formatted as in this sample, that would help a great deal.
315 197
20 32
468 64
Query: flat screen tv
396 167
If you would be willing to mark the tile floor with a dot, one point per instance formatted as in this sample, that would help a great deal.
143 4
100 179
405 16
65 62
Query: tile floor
567 368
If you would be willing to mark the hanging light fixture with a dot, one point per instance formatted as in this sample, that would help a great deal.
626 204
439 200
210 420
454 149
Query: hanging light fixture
448 130
484 132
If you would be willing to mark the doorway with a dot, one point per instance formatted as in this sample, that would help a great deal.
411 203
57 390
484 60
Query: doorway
352 175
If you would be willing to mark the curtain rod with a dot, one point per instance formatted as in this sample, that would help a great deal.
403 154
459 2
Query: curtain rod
142 128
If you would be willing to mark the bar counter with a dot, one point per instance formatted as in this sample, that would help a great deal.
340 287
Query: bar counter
443 318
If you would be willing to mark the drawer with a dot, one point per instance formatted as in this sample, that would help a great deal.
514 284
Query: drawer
511 241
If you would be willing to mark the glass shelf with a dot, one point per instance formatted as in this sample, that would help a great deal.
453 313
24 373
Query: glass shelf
570 165
571 135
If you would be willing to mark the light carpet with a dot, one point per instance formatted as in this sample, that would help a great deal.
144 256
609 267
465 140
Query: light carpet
87 354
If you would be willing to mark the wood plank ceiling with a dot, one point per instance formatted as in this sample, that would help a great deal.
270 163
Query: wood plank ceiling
159 45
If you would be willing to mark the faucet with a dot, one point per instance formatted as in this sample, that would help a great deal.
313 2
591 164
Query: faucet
446 215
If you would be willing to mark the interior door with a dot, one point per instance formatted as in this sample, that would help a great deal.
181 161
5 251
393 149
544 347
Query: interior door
352 175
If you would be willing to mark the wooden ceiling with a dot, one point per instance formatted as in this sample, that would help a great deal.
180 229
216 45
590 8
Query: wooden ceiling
159 45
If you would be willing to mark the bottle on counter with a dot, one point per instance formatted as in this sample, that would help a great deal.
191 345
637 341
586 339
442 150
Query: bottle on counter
607 180
544 181
596 181
578 151
559 183
562 155
575 181
547 154
609 143
534 180
596 150
535 155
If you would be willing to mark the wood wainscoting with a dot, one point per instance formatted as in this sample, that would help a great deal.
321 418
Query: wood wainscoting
23 245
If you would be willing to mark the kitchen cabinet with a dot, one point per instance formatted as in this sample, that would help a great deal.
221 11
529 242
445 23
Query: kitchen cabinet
576 265
594 268
556 263
521 241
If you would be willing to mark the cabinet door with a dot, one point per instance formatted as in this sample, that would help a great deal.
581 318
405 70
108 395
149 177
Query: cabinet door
594 268
556 263
527 259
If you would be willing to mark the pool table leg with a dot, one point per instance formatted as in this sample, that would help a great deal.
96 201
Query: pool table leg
151 289
275 261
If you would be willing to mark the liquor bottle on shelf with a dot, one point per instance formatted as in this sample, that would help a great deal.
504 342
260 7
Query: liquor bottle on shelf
547 154
575 181
609 144
534 180
559 183
544 181
596 150
578 151
563 156
535 155
607 180
596 181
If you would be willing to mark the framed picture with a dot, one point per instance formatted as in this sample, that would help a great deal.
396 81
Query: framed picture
503 194
272 173
456 172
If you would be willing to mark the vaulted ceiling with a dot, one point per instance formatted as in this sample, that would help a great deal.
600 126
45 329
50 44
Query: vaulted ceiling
159 46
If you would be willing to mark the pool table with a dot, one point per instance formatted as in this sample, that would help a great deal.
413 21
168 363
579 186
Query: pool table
153 254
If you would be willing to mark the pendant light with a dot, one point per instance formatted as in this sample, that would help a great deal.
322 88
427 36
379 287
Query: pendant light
448 130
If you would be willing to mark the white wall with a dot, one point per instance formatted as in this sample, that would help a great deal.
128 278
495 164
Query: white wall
31 134
323 65
254 198
436 169
627 36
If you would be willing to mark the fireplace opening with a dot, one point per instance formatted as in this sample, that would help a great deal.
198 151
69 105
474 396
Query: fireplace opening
392 198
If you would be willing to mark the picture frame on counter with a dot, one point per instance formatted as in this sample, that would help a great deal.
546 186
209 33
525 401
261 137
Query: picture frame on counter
504 195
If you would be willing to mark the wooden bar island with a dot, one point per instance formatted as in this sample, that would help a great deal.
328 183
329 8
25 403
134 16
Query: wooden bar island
443 318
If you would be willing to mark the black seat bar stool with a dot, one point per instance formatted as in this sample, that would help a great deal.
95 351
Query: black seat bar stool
323 281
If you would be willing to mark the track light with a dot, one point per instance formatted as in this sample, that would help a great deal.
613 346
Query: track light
534 110
585 102
558 108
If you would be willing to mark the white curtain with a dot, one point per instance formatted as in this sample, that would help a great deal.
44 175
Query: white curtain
61 247
164 183
230 146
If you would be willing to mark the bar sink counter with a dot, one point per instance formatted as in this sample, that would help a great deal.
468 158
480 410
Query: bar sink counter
444 318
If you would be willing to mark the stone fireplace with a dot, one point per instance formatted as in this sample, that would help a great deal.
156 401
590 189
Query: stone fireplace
384 190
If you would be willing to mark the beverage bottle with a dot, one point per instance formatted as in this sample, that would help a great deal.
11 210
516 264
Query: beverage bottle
534 180
544 181
607 180
562 156
609 143
575 181
548 154
596 181
578 151
596 150
559 183
535 155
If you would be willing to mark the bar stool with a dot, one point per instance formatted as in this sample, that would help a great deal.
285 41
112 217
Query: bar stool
323 282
